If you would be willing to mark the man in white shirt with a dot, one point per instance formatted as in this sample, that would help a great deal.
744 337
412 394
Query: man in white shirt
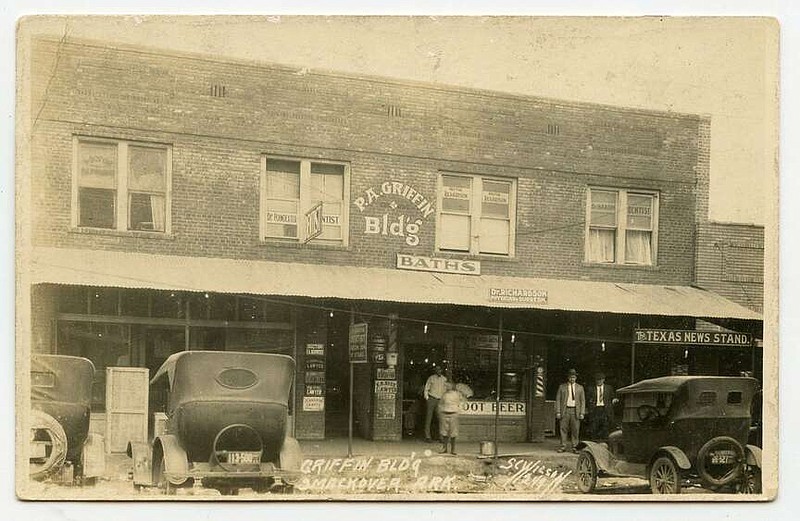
435 387
600 400
570 409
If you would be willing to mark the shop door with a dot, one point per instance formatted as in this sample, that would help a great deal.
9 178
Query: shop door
420 362
337 377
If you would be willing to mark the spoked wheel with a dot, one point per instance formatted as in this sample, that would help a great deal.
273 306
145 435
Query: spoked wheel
751 481
586 471
665 478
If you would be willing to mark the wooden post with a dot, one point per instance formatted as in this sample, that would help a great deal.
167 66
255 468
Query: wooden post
497 394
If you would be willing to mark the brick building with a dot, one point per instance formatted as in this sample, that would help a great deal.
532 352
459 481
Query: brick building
177 201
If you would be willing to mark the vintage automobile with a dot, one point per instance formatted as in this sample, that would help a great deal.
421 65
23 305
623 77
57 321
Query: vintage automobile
226 425
679 430
61 391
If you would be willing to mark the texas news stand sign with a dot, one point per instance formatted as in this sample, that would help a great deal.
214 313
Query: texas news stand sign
684 336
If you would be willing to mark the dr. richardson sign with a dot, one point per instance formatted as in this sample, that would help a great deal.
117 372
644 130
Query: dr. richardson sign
689 336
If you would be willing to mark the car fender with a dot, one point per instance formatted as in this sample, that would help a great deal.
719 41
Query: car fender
291 456
176 462
602 456
753 455
141 454
677 454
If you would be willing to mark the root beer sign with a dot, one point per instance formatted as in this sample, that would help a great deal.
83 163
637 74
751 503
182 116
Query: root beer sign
394 209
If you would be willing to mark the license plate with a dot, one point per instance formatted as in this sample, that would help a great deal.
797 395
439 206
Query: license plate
237 458
723 457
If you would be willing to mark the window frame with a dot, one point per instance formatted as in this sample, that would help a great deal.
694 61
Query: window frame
475 215
122 204
304 203
621 228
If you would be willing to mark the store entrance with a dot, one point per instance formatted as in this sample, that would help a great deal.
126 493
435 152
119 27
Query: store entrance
420 362
337 376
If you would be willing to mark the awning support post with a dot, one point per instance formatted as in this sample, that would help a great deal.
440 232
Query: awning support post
497 387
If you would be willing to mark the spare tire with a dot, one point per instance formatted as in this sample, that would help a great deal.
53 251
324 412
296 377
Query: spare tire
720 461
49 435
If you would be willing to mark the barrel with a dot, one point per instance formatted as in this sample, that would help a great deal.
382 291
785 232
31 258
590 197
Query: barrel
487 448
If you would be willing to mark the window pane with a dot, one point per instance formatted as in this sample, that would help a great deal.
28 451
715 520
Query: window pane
327 169
495 199
283 179
281 218
604 208
457 193
326 188
601 245
494 236
97 165
640 211
97 207
146 212
637 247
455 232
148 167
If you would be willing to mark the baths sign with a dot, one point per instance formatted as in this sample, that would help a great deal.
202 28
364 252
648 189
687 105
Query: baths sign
394 209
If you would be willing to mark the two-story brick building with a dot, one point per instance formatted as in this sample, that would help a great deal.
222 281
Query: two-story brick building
186 202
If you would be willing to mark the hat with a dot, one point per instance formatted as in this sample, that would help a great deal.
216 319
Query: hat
599 375
572 372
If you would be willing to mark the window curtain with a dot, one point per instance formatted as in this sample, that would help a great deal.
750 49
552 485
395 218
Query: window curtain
157 209
601 245
637 247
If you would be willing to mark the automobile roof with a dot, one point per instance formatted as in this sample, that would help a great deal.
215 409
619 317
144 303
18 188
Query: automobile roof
669 384
169 365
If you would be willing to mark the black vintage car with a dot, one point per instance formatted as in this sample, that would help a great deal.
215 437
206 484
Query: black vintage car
61 393
679 430
226 424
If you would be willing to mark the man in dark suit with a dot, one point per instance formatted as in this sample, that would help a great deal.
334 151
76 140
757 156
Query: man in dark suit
600 399
570 409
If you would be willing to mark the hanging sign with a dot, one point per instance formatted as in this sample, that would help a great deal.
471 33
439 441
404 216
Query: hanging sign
358 343
385 373
314 222
682 336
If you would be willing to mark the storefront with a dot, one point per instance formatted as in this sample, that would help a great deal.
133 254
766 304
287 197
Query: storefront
513 351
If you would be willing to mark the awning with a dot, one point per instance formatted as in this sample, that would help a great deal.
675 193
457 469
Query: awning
140 270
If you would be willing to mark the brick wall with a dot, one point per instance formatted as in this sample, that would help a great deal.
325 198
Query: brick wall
386 130
730 262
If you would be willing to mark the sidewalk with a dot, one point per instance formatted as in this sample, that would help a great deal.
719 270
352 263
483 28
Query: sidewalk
337 448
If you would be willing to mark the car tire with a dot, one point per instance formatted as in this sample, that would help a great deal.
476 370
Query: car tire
586 472
702 465
665 476
41 421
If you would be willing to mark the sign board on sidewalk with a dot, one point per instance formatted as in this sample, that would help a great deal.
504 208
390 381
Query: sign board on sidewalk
358 343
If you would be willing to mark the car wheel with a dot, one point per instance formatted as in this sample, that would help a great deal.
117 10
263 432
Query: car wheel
586 472
48 433
665 478
751 481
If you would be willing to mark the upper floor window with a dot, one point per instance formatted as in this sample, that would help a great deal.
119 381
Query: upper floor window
290 188
121 185
621 226
476 214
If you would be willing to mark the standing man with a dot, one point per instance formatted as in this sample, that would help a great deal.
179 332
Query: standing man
570 410
600 403
435 387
